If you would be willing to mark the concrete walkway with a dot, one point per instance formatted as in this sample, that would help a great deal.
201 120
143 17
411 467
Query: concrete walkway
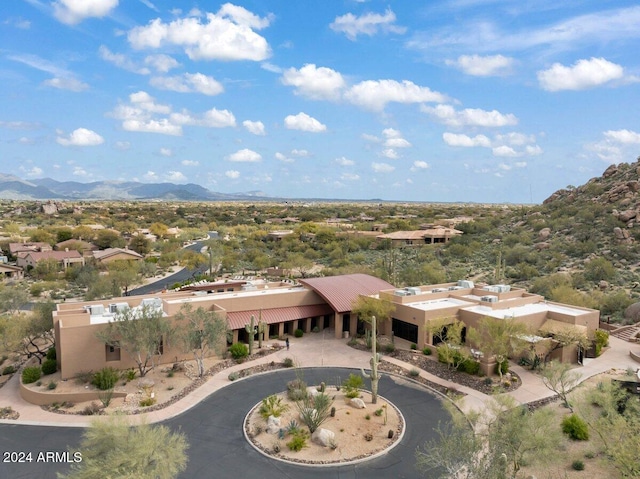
322 350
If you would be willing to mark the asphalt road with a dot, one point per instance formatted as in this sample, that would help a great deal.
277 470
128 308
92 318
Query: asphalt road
218 449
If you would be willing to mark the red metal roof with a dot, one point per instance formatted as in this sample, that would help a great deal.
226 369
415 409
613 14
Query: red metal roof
342 291
238 319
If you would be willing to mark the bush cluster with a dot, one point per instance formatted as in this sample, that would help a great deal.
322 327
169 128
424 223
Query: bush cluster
296 390
49 366
106 378
31 374
298 333
239 351
575 428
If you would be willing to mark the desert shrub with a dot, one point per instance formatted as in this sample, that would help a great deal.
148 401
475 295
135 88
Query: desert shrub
49 366
469 366
52 385
287 362
106 378
298 333
414 346
30 374
296 389
298 441
84 377
352 385
293 427
577 465
368 437
602 340
575 428
238 351
51 353
272 406
427 351
91 410
146 402
129 375
413 372
389 348
233 376
8 370
599 269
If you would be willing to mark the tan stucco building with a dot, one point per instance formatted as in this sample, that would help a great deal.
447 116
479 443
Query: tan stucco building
310 304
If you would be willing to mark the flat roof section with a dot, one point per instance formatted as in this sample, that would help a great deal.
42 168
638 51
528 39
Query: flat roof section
438 304
525 310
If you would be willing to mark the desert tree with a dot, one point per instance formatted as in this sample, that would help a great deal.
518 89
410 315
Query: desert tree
13 298
141 333
565 337
448 333
200 332
560 378
499 337
30 334
113 449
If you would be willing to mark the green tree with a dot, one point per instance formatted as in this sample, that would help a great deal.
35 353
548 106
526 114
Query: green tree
448 333
599 269
560 378
113 449
140 244
13 298
141 333
200 332
499 338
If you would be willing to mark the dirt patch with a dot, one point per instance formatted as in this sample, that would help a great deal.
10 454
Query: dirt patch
359 433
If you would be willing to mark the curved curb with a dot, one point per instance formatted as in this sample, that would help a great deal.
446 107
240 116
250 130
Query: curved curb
375 455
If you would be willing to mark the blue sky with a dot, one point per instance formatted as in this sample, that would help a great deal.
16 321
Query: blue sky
452 100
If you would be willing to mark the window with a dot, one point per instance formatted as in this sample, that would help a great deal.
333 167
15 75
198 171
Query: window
112 353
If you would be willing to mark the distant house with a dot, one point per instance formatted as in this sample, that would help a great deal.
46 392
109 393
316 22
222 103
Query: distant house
64 258
8 271
116 254
15 248
434 235
83 247
278 234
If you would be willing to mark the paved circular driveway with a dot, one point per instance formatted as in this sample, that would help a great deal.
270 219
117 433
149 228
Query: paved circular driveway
218 449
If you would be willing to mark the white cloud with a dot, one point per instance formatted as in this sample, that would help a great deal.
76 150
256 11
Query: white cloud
382 167
168 152
162 126
420 165
151 176
213 118
190 163
394 139
344 161
626 137
255 127
189 83
304 122
81 137
350 176
476 65
33 172
470 116
533 150
390 153
375 94
300 153
504 151
66 83
121 61
367 24
233 174
78 171
74 11
146 102
285 159
270 67
175 176
245 156
453 139
371 138
161 62
315 83
581 75
122 145
515 139
226 35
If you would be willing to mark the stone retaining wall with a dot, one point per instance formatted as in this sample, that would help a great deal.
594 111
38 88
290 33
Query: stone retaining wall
42 398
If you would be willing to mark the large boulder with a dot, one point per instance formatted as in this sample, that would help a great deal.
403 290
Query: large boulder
273 424
357 403
312 391
544 233
324 437
627 215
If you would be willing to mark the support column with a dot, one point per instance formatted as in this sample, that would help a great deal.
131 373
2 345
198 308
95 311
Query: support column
307 325
338 330
280 330
353 325
295 325
321 322
235 336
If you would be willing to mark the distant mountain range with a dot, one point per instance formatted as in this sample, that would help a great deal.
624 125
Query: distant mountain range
14 188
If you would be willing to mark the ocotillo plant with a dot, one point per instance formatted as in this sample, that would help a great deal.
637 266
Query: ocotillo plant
250 329
374 361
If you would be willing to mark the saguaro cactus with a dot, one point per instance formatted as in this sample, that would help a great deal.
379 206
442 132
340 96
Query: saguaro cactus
374 375
251 330
262 327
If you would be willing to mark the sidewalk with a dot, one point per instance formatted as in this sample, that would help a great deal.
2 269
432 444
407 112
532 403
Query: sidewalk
317 350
